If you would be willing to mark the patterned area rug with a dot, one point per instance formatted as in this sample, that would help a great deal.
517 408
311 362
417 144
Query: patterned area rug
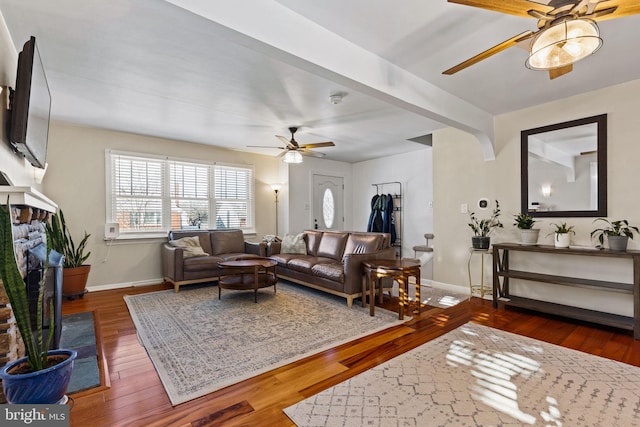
479 376
199 344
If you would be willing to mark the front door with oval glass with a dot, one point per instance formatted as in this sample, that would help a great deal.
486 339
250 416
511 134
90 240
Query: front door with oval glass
328 202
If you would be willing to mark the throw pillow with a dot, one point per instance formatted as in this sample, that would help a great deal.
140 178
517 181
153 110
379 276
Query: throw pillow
190 246
293 244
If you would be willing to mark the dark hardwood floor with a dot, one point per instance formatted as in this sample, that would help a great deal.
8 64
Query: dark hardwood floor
135 396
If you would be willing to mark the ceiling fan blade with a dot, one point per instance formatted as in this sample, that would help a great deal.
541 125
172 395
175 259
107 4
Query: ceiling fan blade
282 154
598 15
265 146
284 140
306 152
511 7
490 52
557 72
621 8
318 145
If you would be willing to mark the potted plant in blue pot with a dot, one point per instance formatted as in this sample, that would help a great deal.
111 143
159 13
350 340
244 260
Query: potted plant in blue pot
483 227
42 376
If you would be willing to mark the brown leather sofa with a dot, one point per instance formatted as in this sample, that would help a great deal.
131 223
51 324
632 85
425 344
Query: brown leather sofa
333 262
219 245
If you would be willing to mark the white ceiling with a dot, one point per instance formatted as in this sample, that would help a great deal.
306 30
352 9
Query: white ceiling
237 72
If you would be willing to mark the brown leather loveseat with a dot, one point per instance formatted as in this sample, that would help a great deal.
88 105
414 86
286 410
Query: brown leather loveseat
181 268
333 260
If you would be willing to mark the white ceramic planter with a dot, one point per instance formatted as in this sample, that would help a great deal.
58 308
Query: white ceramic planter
562 240
529 237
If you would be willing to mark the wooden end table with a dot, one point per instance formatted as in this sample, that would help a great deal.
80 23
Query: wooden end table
245 274
399 270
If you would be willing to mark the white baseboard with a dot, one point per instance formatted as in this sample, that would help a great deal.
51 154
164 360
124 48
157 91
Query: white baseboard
110 286
446 286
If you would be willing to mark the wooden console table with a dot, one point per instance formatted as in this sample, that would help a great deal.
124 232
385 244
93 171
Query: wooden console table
502 273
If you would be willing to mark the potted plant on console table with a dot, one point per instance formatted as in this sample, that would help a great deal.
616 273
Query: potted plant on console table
618 233
75 272
528 234
42 376
483 227
561 235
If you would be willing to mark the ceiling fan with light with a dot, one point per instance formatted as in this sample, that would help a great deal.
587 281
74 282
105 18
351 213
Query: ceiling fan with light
567 30
293 152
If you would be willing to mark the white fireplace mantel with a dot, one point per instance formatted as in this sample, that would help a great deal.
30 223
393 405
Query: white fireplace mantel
27 196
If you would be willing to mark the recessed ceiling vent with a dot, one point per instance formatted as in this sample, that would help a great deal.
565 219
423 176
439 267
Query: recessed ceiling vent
424 140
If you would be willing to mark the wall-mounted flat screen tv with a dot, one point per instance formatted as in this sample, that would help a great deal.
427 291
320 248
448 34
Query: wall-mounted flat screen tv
30 107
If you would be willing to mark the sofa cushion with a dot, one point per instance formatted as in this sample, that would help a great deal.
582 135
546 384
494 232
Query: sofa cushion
190 247
204 263
238 256
331 271
332 245
283 259
203 235
227 241
363 243
293 244
313 240
303 263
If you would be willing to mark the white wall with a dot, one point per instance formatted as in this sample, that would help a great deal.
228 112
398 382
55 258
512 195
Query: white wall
76 181
299 208
414 171
462 176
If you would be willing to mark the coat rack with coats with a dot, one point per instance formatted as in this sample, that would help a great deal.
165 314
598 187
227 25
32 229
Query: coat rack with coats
386 213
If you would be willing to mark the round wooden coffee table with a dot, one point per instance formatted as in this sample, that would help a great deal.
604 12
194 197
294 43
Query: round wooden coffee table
246 274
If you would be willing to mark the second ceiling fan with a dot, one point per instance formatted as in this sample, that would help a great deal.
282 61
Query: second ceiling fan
567 30
292 151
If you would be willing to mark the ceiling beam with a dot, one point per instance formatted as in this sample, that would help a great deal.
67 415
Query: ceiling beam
268 27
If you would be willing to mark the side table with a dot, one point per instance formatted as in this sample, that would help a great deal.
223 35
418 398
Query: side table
399 270
478 288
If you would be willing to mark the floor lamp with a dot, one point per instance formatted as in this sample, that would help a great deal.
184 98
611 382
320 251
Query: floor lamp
276 190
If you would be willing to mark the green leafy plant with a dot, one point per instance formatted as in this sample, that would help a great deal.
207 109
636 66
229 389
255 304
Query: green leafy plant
36 345
483 227
524 221
61 241
562 228
614 228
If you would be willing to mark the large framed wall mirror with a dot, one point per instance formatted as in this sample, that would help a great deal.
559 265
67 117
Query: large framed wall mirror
564 169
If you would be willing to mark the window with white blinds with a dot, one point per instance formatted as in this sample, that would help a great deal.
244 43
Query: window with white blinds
154 195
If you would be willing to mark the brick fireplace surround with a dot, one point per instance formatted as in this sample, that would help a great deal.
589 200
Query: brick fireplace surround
29 210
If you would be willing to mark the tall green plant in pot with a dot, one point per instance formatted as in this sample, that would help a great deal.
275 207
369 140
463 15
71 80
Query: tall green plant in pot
76 272
42 376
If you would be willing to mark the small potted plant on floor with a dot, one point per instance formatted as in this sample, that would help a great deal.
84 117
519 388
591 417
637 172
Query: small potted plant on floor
76 272
618 233
483 227
42 376
561 235
528 234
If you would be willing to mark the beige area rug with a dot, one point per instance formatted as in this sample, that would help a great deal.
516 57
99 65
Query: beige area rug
480 376
199 344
